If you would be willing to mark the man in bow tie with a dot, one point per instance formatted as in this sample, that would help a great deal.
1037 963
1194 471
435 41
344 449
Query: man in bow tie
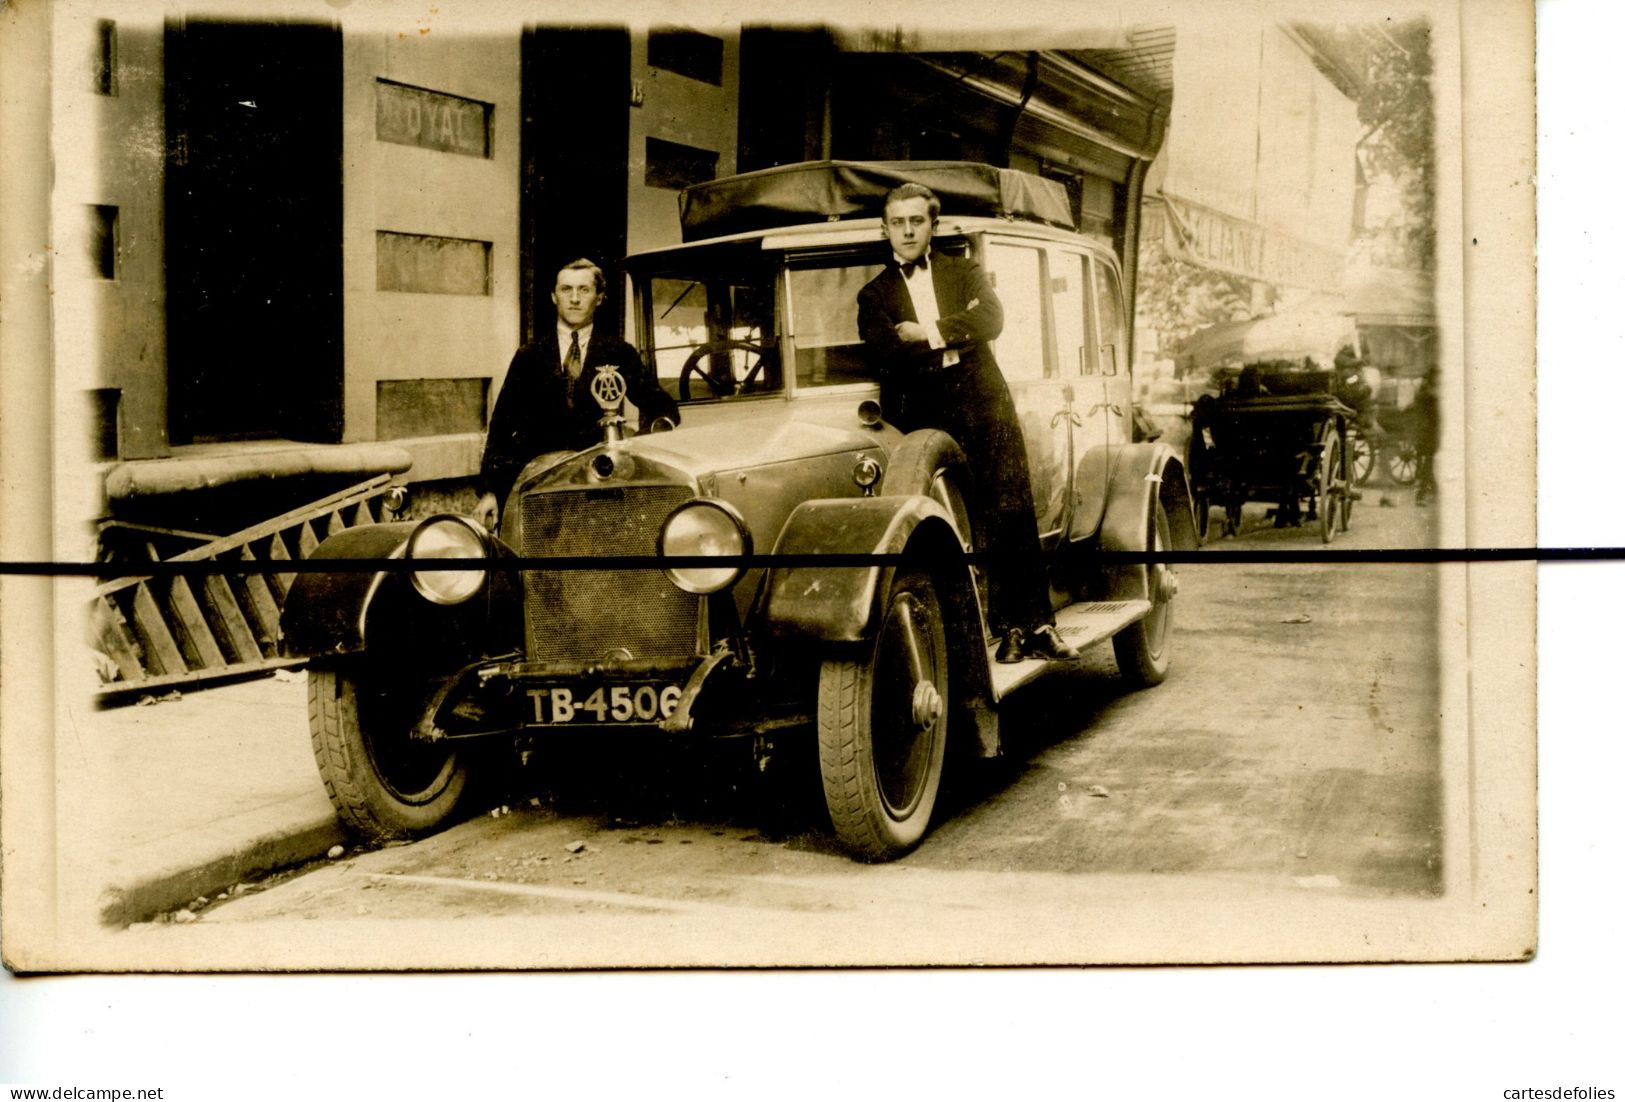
926 321
546 402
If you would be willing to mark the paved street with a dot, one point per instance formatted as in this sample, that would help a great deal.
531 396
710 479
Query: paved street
1293 749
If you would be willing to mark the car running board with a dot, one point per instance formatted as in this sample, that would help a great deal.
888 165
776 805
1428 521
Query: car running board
1082 625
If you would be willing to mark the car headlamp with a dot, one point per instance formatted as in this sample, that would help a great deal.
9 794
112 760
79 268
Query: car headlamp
704 528
447 537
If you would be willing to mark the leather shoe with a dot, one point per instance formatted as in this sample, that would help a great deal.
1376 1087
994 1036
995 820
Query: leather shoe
1046 642
1010 647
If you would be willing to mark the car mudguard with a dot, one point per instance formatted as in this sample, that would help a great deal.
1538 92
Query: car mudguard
1141 474
833 606
836 604
340 612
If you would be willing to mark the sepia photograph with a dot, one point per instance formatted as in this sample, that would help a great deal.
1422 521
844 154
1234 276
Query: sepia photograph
671 490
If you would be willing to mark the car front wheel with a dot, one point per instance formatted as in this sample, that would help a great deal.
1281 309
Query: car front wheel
883 725
384 783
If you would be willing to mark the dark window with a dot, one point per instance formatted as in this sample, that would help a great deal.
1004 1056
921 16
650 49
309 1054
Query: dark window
689 53
104 241
106 58
253 233
672 165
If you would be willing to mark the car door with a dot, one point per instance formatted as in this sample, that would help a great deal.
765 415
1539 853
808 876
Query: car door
1117 381
1025 351
1091 345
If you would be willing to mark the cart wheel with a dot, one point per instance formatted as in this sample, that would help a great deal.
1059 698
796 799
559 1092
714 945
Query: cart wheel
1331 464
1362 457
1401 459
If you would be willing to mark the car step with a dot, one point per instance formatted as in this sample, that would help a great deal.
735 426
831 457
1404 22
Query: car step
1082 625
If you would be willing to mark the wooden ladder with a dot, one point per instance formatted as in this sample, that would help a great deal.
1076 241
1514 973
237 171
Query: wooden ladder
162 631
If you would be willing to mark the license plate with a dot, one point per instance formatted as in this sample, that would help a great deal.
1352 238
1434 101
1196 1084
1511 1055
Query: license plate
622 702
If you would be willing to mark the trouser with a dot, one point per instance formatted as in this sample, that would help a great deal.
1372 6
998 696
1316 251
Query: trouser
979 414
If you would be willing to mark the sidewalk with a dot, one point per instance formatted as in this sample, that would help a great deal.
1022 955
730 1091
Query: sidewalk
196 794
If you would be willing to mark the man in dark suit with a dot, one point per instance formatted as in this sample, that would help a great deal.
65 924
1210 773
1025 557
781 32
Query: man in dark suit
926 321
546 402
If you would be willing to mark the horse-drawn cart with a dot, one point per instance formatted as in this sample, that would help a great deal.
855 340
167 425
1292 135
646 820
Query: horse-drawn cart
1279 435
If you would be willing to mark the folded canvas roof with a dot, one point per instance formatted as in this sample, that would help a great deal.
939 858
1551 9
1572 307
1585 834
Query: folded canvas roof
833 190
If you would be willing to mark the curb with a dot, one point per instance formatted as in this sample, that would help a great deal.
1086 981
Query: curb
123 905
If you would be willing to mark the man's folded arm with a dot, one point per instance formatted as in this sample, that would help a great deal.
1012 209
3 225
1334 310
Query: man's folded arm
982 319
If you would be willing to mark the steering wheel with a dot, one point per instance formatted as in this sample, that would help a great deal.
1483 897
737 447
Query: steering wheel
721 381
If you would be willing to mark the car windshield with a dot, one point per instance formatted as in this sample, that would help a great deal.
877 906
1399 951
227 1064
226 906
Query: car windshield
713 330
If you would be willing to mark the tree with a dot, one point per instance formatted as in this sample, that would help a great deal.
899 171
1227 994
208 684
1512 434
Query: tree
1396 107
1176 298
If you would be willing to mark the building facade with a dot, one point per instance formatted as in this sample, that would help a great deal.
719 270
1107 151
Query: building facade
305 247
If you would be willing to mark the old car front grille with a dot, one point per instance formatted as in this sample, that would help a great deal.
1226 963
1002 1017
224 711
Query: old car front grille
590 615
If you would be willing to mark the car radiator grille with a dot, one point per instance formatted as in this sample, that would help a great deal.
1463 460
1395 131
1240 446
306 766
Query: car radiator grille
584 615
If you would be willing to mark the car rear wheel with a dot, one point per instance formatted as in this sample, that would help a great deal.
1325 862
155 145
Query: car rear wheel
1142 647
883 725
384 783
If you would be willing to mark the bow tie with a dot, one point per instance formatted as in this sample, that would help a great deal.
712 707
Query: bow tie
909 267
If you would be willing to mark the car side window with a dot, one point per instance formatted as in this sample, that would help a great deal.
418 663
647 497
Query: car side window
1073 304
1111 343
1016 272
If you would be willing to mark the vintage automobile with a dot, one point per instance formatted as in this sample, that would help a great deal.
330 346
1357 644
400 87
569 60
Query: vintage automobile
783 564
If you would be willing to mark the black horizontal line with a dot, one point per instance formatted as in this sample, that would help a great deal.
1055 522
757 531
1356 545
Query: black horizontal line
1326 555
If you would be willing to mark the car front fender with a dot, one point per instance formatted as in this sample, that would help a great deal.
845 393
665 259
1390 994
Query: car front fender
345 612
835 604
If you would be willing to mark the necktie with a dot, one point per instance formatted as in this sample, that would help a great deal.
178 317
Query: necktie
572 369
572 362
909 267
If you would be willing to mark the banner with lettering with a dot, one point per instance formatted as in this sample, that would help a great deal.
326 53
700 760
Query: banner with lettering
1202 236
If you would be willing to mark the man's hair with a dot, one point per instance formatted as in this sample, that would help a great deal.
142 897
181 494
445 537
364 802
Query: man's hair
933 205
583 265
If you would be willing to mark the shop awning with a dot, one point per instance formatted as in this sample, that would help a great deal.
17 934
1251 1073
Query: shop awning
1391 296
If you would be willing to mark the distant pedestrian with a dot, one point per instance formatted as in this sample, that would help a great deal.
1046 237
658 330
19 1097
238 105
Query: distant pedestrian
1425 418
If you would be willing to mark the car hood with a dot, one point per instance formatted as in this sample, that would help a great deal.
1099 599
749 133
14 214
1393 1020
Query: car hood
754 439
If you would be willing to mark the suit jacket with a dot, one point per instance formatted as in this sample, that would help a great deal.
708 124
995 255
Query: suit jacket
911 372
538 411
